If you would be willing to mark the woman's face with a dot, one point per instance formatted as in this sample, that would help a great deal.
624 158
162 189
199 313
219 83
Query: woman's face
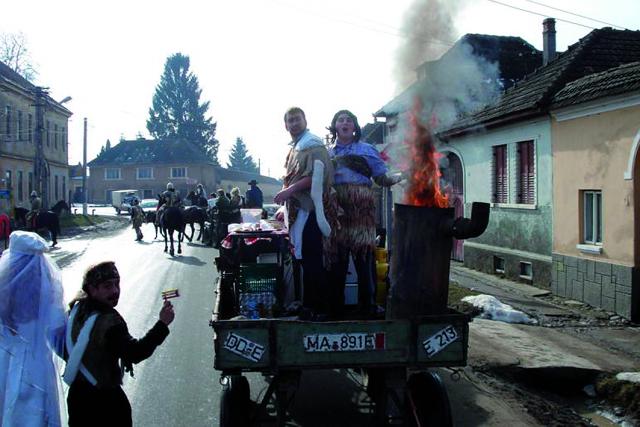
345 128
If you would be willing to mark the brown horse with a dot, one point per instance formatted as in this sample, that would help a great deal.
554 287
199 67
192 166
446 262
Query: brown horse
45 220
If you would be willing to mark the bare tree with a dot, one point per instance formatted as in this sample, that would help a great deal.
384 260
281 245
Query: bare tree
15 54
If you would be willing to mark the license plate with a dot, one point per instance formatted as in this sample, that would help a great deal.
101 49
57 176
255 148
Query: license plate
438 341
344 342
243 347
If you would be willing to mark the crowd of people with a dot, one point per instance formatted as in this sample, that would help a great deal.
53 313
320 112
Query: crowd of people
328 208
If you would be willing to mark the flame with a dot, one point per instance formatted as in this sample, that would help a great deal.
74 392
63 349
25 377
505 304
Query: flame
424 176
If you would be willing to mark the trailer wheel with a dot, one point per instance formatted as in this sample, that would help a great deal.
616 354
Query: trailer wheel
427 401
234 402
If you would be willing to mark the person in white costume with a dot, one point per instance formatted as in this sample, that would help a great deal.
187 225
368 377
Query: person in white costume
32 326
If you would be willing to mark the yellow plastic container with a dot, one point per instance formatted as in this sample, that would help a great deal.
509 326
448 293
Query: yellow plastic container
381 255
381 293
381 271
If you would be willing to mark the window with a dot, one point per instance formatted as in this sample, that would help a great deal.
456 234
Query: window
64 139
55 187
147 194
526 173
592 217
178 172
112 173
20 190
19 126
30 127
7 115
498 264
500 182
55 137
48 132
7 176
526 270
30 181
144 173
64 187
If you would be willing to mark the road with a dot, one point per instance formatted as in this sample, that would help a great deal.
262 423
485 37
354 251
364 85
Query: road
178 386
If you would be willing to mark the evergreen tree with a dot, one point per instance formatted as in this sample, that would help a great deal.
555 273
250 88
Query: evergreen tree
177 113
239 159
107 145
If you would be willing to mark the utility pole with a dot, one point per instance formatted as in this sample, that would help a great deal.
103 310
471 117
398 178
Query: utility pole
84 170
41 184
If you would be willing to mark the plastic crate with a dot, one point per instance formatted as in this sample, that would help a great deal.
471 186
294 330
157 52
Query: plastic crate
259 278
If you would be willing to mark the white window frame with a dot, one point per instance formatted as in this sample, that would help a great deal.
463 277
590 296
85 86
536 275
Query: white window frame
106 175
172 175
138 177
596 217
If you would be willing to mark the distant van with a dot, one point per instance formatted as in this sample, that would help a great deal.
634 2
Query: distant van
121 200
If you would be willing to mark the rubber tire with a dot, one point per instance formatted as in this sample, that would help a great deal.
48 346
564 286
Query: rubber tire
234 403
431 401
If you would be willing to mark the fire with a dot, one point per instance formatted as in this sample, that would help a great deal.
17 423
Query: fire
424 176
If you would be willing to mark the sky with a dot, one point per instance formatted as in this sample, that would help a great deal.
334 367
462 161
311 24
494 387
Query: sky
256 58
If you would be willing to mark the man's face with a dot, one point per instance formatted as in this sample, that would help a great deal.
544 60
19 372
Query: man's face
345 127
295 123
107 292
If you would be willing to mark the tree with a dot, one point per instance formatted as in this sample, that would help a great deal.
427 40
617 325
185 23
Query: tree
239 159
14 53
177 113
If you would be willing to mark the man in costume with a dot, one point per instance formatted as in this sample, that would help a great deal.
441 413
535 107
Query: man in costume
308 216
137 218
169 198
99 350
253 196
32 325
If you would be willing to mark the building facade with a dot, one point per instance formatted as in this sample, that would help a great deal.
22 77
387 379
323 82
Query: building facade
19 109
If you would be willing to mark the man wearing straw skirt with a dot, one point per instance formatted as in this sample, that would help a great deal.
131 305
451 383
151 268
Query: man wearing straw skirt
356 164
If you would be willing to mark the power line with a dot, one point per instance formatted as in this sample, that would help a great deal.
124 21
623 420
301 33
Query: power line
576 14
541 14
395 32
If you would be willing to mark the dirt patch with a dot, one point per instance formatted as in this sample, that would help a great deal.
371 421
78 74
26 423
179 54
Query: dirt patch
623 394
456 293
544 404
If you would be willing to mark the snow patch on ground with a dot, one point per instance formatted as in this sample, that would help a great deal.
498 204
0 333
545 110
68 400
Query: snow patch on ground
633 377
493 309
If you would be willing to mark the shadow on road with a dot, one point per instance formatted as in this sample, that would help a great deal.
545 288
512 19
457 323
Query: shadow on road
189 260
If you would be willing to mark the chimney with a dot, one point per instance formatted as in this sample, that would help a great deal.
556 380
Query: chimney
548 40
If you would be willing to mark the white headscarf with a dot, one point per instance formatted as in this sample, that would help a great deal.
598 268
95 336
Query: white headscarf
32 325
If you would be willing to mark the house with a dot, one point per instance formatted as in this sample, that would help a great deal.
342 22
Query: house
506 152
148 165
596 187
21 105
505 59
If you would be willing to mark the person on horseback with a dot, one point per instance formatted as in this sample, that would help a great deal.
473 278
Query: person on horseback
169 198
137 217
36 205
201 196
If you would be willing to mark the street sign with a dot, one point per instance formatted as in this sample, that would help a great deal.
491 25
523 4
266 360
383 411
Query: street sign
5 194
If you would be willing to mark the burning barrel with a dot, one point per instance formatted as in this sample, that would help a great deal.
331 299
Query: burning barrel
422 242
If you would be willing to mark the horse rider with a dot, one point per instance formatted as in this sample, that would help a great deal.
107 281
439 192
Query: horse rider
201 194
36 205
169 198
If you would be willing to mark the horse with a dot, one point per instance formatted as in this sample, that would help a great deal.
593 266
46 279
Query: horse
44 220
192 215
150 217
171 220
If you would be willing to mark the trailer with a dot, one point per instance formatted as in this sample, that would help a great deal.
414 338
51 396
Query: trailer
394 357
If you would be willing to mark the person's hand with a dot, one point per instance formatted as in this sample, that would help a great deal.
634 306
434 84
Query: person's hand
166 313
282 196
